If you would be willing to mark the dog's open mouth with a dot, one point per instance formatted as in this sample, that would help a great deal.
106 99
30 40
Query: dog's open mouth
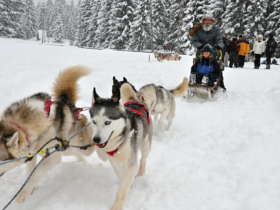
102 145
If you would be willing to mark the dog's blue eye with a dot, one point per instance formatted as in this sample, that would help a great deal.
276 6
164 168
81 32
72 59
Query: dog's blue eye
94 122
107 122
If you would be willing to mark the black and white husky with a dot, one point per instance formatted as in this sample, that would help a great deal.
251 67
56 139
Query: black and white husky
123 134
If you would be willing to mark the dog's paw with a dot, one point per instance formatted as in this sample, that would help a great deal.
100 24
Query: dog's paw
117 206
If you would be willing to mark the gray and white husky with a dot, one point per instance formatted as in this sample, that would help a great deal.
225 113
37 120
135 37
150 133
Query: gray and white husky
161 102
31 122
122 132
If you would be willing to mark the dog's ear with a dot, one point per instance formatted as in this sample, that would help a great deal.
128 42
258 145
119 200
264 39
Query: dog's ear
115 81
127 93
95 96
13 140
140 97
124 79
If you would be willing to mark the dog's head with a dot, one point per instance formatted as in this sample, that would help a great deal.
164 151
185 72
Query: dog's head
8 136
108 115
116 95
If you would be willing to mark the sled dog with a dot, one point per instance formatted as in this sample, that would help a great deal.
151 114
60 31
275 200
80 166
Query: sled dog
161 102
167 56
31 122
122 131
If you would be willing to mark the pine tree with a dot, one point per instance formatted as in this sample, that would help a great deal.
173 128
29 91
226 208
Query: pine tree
70 22
91 38
218 8
11 12
121 18
233 18
29 24
103 34
160 23
176 30
273 18
255 17
141 33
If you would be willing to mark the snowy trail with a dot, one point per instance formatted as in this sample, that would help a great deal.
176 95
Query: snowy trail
219 155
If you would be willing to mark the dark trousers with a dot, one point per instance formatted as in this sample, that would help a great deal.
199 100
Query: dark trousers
268 59
241 61
233 59
257 60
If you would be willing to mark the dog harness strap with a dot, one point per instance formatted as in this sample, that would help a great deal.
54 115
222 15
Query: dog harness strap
48 104
138 109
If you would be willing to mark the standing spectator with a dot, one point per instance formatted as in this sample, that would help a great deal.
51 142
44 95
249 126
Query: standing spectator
233 52
258 49
270 47
243 51
226 49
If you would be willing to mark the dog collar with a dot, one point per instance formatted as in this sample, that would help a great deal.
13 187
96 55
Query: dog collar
113 152
138 109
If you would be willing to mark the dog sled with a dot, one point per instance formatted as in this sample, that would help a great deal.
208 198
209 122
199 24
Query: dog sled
205 89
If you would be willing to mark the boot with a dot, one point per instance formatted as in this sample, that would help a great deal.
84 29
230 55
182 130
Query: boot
267 66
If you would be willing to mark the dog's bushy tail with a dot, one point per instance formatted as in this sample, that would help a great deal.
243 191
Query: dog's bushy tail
181 88
65 86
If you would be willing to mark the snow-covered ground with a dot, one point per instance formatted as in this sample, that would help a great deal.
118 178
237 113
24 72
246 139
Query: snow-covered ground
219 155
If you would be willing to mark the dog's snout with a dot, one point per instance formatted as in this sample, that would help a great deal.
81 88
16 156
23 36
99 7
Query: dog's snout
97 139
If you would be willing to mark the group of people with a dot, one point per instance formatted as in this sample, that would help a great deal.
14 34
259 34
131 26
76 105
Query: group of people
211 48
238 49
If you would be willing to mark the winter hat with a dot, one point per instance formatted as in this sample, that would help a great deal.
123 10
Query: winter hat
208 15
207 48
207 26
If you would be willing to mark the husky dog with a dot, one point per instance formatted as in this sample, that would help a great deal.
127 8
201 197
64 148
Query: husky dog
31 122
121 135
167 56
161 102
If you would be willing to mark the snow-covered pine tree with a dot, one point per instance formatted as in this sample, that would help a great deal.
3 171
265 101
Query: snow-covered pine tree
218 8
49 17
29 24
91 37
120 19
58 26
141 32
233 18
255 17
175 40
70 22
103 34
11 12
160 23
58 29
273 18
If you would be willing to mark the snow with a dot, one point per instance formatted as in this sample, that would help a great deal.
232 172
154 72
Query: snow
218 155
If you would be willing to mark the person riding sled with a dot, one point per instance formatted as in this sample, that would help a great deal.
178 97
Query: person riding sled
206 32
206 70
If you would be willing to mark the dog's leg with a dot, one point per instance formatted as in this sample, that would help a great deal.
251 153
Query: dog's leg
145 150
171 114
125 185
40 172
118 168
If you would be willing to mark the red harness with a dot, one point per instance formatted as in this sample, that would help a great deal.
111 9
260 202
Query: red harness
138 109
49 103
